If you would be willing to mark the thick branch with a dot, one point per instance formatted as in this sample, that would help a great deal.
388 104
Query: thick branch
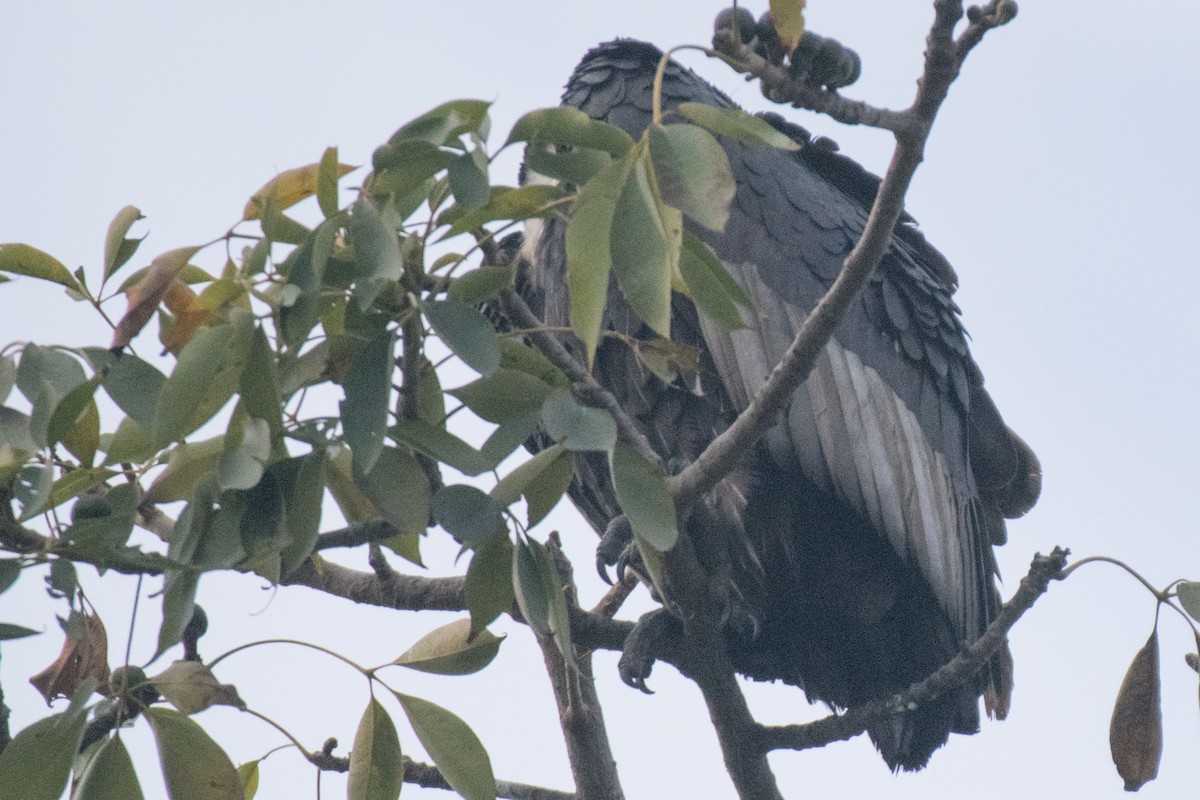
579 712
953 674
399 591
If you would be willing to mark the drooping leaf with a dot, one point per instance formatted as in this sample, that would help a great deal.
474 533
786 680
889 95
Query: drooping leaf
453 746
376 765
303 482
576 426
514 484
589 250
117 248
468 514
451 650
466 332
290 187
191 687
83 438
645 241
1135 733
376 251
187 464
365 409
709 285
248 775
543 494
643 495
69 410
736 124
147 293
83 658
194 766
21 259
533 593
38 759
399 488
241 465
469 179
692 172
109 775
328 172
488 588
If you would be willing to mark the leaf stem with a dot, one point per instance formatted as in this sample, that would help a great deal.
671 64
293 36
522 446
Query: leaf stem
309 645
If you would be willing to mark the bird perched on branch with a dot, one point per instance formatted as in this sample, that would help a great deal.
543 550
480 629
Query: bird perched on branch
854 543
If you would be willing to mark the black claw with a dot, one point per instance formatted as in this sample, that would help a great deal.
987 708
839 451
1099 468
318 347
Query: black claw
602 569
613 543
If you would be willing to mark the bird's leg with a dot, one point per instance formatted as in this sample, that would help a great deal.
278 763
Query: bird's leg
651 636
616 540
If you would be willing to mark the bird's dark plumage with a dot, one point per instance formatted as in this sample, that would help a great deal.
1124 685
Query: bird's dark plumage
858 535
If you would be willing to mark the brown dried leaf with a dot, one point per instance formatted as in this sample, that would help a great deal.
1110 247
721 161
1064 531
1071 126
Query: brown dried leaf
146 294
84 655
1135 735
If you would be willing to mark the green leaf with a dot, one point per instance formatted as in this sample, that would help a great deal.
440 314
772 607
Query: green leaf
447 122
577 426
21 259
1188 593
488 588
259 384
107 528
248 775
480 284
189 274
571 166
469 179
401 167
532 593
194 766
645 240
503 395
14 430
118 249
194 392
437 443
566 126
11 631
38 759
451 650
466 332
709 284
376 250
453 746
134 385
736 124
543 494
517 482
241 466
376 763
303 483
8 376
468 514
507 203
69 410
788 18
692 172
83 439
10 570
643 495
589 250
328 173
130 443
191 687
364 412
514 355
399 488
109 775
76 482
187 463
32 489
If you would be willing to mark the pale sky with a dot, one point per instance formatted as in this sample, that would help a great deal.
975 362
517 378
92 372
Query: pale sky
1061 182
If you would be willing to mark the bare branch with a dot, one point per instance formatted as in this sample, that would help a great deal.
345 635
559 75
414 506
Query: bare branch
955 673
428 776
399 591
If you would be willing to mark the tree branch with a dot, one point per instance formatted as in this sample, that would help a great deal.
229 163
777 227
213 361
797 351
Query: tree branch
579 711
943 60
399 591
955 673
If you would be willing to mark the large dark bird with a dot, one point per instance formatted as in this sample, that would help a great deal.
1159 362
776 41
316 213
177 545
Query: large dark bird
854 544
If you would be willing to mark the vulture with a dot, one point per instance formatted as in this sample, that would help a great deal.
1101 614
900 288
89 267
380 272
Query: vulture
853 544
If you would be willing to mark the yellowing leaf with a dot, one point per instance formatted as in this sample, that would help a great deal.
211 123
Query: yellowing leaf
190 687
788 16
451 650
289 188
147 293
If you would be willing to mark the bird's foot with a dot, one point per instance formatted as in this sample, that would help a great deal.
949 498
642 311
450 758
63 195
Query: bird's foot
648 638
615 544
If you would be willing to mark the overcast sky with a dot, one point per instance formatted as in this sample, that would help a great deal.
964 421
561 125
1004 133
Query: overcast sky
1061 181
